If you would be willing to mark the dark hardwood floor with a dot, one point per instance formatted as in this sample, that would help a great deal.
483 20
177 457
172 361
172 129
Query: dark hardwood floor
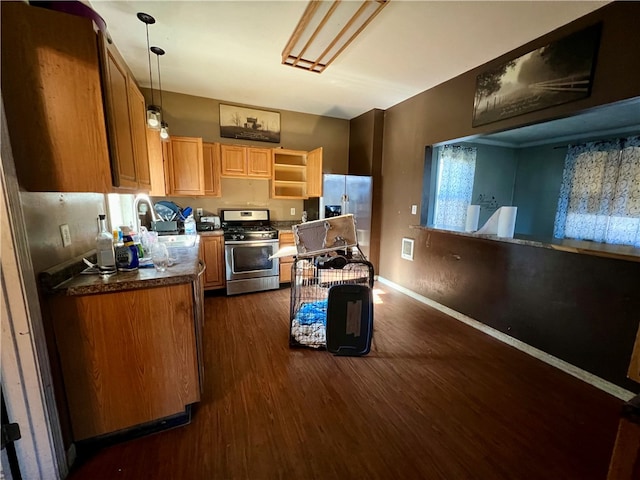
435 399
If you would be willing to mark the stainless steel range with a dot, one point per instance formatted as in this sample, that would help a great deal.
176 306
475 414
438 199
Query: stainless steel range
249 241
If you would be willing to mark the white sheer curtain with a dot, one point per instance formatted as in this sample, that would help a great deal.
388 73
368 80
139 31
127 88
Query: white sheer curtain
600 194
456 171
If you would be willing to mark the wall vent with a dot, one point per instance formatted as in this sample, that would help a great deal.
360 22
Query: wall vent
407 249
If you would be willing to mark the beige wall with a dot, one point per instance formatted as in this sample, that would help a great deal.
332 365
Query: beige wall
200 117
45 212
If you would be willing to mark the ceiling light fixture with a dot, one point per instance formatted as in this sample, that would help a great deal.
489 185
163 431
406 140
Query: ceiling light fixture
164 126
154 115
326 29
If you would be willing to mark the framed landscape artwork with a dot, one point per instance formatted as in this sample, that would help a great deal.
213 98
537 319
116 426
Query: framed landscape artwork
557 73
249 123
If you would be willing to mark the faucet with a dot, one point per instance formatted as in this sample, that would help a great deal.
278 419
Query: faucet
142 197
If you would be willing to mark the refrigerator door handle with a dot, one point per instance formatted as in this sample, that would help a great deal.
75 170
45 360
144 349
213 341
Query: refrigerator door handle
345 203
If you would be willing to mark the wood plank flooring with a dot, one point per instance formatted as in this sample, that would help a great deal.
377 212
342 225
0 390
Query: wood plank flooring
435 399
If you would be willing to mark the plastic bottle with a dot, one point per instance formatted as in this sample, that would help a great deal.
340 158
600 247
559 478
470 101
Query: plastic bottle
127 255
104 248
190 228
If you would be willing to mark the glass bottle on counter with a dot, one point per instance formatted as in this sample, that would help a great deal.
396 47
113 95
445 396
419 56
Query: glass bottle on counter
106 258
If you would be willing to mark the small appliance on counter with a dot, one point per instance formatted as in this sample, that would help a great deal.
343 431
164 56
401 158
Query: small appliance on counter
208 223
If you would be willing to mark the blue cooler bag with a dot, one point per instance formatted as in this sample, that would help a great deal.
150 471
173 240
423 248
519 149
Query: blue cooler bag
349 319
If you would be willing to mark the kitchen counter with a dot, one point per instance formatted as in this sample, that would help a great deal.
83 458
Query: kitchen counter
620 252
155 319
184 270
212 233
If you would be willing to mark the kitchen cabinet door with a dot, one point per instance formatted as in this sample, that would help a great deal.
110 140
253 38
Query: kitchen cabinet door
233 159
158 152
52 97
151 374
186 167
138 124
286 240
259 162
213 252
314 173
116 88
211 158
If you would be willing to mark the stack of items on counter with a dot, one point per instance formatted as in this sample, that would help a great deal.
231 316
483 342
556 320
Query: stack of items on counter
123 250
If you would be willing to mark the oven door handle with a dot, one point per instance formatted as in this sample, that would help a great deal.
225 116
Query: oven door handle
252 243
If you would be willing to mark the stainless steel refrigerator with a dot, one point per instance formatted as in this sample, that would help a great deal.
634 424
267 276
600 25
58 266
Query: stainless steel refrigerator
342 194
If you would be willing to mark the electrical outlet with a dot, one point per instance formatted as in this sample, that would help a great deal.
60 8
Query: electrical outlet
66 235
414 209
293 211
199 212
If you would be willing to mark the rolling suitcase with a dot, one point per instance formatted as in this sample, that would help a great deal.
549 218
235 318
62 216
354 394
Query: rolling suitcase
349 319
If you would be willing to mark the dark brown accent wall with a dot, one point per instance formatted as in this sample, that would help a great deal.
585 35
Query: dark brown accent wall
445 113
582 309
365 158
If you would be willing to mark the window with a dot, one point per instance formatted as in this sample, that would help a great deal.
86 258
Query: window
120 210
456 171
600 193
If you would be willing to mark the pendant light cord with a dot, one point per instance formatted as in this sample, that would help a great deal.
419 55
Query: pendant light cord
159 82
149 57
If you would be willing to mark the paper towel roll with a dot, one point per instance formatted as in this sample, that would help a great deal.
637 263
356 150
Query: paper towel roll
491 226
473 215
507 221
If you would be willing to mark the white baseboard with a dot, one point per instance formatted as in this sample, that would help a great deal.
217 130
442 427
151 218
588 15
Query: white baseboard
583 375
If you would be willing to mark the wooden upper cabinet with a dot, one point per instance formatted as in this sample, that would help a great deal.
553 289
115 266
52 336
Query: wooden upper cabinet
314 173
138 123
242 161
116 89
296 174
259 162
211 159
157 151
233 159
53 100
186 166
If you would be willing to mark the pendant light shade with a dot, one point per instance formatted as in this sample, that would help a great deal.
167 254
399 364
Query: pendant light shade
164 127
154 118
164 132
154 112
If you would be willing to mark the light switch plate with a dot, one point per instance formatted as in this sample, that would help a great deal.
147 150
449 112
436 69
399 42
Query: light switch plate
293 211
66 235
414 209
199 212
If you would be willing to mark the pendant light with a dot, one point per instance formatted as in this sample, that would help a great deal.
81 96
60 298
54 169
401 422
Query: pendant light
154 112
164 126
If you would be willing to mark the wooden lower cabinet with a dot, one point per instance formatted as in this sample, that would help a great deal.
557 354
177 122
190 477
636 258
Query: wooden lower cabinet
213 253
127 358
286 240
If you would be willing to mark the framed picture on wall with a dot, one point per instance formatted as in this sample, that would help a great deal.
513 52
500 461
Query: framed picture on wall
557 73
249 123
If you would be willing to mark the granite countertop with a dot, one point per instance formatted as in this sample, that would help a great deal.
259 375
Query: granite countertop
66 279
283 225
585 247
212 233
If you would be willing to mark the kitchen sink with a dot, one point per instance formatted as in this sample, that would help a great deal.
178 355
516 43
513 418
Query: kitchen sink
177 240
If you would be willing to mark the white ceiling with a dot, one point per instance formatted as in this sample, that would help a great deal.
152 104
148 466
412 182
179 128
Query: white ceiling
231 50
